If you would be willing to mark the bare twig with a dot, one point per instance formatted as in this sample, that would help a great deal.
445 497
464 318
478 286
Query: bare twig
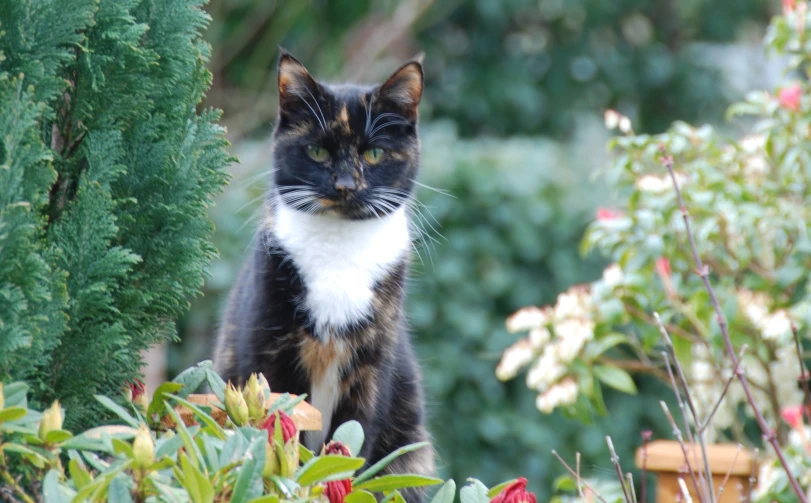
707 474
703 271
579 480
729 472
577 475
709 417
630 482
615 460
677 433
684 491
646 436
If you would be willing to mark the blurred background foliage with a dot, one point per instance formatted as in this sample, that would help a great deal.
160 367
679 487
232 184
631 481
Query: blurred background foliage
511 125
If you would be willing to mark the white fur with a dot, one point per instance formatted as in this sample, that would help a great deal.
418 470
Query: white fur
324 397
340 261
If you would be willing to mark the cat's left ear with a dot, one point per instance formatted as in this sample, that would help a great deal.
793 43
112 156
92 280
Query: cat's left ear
296 86
403 89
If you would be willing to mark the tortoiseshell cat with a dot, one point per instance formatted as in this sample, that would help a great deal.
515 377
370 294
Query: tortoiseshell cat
318 306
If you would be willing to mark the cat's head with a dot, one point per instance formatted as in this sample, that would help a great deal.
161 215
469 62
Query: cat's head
346 149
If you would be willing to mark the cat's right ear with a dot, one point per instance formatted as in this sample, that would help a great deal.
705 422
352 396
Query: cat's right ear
296 86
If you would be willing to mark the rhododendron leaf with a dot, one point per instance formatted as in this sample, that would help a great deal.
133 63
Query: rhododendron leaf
119 490
122 448
155 410
30 454
268 498
318 469
392 482
216 384
202 416
168 446
360 497
304 454
117 410
185 434
57 436
474 492
192 378
196 481
12 414
250 472
351 435
377 467
52 492
616 378
495 490
446 493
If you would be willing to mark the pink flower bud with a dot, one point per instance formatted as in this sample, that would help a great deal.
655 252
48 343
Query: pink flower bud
789 97
793 416
663 267
288 426
515 493
788 6
606 214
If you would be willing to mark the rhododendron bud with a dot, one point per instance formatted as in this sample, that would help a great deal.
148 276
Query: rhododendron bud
336 490
335 447
789 97
51 420
235 405
255 398
288 426
143 448
515 493
136 393
793 416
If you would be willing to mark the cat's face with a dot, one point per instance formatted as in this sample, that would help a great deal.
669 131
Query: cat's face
346 149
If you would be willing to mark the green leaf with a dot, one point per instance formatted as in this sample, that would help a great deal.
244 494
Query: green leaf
304 454
16 394
268 498
117 410
495 490
317 469
12 413
78 473
30 454
375 468
122 448
185 434
395 481
216 384
250 471
615 378
603 344
360 497
196 481
156 407
192 378
351 435
57 437
168 446
51 490
202 416
119 490
446 493
474 492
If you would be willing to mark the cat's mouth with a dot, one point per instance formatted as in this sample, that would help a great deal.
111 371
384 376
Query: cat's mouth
352 208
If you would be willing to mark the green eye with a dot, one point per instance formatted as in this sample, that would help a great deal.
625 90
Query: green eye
373 155
317 154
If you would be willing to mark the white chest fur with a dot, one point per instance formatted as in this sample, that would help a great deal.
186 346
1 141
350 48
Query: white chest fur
340 261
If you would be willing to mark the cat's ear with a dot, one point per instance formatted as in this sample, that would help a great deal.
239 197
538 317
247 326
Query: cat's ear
403 89
296 86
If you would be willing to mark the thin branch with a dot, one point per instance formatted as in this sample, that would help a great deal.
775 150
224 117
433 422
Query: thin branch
709 417
579 480
646 436
576 475
615 460
680 439
707 474
684 491
729 472
703 271
630 481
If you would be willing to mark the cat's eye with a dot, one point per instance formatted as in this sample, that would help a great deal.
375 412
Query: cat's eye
373 155
316 153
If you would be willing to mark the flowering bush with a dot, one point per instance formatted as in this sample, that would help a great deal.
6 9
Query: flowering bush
749 200
151 455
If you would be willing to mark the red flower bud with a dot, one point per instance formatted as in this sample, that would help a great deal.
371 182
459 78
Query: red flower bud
515 493
136 389
789 97
336 490
335 447
288 426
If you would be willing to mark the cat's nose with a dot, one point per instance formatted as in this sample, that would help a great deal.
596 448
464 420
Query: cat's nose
345 183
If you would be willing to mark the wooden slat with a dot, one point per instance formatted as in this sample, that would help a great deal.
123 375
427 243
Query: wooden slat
668 456
305 416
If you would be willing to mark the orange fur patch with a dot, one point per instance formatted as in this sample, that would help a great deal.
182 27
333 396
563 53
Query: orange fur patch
316 357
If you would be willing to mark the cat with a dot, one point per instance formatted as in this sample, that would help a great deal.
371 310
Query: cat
318 305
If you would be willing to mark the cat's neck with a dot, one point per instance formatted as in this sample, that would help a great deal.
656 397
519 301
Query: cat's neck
340 261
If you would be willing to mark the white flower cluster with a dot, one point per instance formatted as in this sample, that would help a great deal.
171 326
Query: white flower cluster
557 335
658 184
774 326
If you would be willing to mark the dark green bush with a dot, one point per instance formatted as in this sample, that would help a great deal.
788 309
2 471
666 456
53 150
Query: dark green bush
106 173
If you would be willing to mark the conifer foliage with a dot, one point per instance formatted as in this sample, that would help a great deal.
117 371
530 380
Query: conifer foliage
106 172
